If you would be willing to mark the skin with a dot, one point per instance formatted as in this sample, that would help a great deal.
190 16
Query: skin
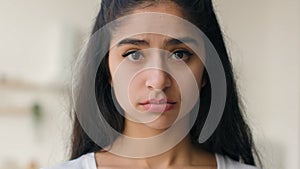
183 155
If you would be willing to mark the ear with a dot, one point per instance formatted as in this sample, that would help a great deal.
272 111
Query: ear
203 83
110 82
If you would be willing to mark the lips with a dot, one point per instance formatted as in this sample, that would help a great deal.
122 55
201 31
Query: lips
158 105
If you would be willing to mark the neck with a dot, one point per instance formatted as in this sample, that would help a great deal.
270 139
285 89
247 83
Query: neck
183 153
180 155
140 140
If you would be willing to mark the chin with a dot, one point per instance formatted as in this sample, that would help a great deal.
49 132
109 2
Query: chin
162 123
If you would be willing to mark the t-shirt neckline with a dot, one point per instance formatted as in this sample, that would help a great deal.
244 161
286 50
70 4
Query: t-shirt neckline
219 159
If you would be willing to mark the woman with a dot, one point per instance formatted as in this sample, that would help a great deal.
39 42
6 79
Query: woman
151 75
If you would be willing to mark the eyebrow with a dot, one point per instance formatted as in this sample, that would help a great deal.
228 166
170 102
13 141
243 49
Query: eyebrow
181 41
131 41
169 42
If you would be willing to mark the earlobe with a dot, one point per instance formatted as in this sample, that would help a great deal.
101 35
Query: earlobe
203 83
110 82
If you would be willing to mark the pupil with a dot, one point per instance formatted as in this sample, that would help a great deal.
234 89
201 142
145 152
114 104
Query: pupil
135 56
179 55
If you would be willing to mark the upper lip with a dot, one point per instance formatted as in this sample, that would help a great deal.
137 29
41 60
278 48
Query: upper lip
158 101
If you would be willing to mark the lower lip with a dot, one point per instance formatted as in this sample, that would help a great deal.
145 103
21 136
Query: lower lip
158 107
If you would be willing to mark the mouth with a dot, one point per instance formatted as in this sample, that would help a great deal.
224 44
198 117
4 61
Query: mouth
158 105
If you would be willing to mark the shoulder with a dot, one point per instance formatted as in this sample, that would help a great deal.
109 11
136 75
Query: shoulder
86 161
227 163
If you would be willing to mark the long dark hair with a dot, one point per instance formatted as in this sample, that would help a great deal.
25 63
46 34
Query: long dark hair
232 137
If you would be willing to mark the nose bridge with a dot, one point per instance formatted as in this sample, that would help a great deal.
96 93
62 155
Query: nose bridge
157 77
156 58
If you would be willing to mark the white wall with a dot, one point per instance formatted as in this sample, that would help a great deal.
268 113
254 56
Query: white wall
30 32
264 40
263 37
38 40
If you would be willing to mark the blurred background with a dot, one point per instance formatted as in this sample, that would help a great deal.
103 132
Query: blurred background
39 40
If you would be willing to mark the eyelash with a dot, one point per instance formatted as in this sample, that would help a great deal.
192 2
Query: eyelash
181 51
129 53
184 52
132 52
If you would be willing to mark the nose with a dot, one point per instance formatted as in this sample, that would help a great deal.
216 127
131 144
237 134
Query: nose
158 79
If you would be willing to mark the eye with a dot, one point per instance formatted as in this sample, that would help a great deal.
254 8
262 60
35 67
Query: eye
181 55
134 55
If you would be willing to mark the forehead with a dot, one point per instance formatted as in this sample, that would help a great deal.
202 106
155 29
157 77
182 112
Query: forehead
144 16
152 40
154 23
166 7
152 26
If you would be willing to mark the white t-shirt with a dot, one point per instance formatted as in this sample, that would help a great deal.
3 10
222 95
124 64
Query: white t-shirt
88 161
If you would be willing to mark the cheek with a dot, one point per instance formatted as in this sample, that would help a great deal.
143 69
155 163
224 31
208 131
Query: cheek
113 63
135 87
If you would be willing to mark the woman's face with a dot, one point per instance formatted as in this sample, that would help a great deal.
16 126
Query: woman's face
145 69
